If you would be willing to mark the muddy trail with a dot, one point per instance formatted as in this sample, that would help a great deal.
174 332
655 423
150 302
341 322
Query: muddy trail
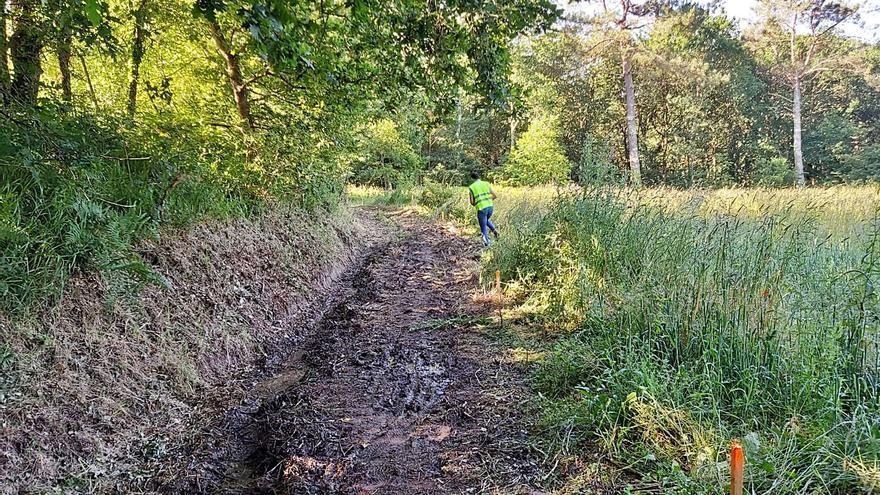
395 391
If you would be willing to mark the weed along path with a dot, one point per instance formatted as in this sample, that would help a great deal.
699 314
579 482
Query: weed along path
394 392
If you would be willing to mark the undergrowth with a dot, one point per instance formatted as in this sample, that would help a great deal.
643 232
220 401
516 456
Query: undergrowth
80 192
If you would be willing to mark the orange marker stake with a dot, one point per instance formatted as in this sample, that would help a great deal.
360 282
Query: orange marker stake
498 281
737 465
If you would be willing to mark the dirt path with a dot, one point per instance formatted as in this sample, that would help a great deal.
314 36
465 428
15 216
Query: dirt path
394 392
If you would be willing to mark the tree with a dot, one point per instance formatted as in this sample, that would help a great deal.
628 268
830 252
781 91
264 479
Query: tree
537 157
337 52
25 47
799 36
63 49
138 48
4 49
240 89
620 21
51 24
384 157
701 99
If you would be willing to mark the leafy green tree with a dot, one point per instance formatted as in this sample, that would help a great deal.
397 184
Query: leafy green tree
618 23
140 15
773 172
701 99
798 38
594 165
25 48
563 77
538 157
337 51
4 49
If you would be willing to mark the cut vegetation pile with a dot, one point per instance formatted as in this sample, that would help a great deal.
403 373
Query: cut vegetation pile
91 390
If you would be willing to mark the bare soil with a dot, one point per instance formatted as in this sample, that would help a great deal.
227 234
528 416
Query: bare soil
396 390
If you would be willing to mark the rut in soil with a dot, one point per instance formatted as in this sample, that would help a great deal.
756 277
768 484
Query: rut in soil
395 391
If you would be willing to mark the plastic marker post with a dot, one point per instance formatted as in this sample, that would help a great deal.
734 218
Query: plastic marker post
498 282
737 464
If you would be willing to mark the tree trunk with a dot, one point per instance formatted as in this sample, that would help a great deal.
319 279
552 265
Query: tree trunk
632 140
512 133
82 61
25 46
233 72
64 40
4 61
137 55
800 180
458 113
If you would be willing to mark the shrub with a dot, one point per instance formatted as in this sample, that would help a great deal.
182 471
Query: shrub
436 195
78 192
538 157
774 172
384 158
594 166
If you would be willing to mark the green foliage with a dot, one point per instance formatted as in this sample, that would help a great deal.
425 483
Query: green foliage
471 141
863 166
339 50
229 106
709 101
384 158
80 193
691 328
774 172
437 196
537 158
440 174
594 166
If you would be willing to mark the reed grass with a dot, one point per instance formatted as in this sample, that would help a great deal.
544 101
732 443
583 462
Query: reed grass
686 319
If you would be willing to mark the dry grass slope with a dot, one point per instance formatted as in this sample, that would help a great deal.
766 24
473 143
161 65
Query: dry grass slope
90 391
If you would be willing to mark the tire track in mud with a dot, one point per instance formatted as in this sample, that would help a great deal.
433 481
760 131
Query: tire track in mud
376 402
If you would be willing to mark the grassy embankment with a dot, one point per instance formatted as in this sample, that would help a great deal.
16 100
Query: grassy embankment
679 320
210 257
94 398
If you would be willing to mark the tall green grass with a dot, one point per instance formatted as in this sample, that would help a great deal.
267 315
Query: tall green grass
683 326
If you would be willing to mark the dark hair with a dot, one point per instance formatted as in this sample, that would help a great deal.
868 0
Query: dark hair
475 175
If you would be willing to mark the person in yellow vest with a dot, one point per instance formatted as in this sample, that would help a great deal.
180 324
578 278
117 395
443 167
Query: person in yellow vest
483 199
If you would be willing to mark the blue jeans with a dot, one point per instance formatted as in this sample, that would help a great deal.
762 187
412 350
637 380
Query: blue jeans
486 225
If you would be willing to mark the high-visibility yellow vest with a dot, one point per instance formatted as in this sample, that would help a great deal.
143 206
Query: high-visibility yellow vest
482 194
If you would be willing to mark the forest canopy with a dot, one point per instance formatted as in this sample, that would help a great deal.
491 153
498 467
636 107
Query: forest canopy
713 103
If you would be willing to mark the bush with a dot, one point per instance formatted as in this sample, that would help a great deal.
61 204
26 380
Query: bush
79 192
774 172
450 176
538 157
436 196
384 158
595 167
863 166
